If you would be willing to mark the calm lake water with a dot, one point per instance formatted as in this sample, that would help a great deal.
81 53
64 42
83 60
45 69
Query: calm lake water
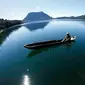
56 65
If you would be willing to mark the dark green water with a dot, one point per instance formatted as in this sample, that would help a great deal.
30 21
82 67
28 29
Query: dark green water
57 65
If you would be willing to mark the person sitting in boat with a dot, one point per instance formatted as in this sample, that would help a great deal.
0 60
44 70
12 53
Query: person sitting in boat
67 37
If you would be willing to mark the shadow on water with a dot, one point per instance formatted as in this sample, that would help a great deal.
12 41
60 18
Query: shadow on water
45 49
6 33
35 26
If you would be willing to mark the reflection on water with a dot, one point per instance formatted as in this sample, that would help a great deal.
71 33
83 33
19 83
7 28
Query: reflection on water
68 45
30 26
5 34
26 80
37 51
35 26
57 65
40 50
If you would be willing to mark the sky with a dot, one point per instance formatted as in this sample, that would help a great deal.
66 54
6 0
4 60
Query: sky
18 9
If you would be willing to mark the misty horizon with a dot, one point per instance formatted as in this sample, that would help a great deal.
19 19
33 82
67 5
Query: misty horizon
18 9
44 12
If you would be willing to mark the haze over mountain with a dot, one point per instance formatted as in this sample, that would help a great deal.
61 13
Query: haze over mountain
36 16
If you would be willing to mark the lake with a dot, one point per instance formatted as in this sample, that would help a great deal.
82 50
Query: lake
56 65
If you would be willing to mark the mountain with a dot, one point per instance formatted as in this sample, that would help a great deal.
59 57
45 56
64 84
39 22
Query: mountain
36 16
81 17
72 17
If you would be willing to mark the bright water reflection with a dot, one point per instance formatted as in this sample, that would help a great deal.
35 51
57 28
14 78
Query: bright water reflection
26 80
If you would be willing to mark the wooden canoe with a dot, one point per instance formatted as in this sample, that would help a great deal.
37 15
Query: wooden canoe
47 43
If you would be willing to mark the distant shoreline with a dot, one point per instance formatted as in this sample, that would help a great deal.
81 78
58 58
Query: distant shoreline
70 19
82 17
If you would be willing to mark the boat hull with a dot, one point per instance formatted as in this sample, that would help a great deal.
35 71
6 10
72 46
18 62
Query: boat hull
47 43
